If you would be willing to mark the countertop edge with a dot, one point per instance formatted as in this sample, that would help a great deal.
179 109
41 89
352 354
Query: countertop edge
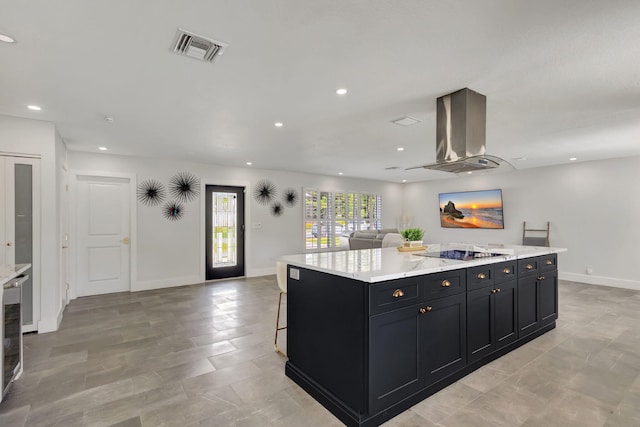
12 272
378 276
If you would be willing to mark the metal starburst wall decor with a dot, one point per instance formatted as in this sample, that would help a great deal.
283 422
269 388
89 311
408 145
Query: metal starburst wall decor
151 192
277 209
184 187
173 211
265 192
290 197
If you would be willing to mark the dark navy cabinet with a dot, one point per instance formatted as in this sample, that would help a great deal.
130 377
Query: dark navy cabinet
537 293
492 320
369 351
413 347
394 343
443 348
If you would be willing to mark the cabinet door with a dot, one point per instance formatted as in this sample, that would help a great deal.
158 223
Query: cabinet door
393 352
443 337
505 313
528 312
548 289
480 334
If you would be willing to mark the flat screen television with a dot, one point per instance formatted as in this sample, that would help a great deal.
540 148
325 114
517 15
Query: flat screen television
471 209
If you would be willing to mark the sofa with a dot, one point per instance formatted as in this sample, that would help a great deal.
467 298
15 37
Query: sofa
365 239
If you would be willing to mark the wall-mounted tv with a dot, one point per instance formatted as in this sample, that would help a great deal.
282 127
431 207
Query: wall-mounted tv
471 209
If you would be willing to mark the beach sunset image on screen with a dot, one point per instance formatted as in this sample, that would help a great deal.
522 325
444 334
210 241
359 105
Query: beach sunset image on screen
472 209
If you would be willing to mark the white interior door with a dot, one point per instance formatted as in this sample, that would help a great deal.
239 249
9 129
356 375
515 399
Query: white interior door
103 228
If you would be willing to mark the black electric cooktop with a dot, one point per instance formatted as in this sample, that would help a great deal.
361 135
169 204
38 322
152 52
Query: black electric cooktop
459 255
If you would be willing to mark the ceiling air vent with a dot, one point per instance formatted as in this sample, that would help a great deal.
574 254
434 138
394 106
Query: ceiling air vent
406 121
197 47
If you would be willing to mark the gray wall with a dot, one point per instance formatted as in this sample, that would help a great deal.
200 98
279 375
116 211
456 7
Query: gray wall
171 253
592 207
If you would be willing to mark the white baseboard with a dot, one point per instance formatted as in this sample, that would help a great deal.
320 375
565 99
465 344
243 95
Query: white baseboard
256 272
601 280
50 324
165 283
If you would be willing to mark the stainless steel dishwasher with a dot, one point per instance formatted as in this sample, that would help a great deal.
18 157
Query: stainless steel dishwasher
11 356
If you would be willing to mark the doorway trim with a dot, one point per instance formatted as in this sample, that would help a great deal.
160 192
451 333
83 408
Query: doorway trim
203 216
73 225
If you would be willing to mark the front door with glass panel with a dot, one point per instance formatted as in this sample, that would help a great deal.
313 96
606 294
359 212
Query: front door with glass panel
224 231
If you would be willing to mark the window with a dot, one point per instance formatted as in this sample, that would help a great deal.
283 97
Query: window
327 215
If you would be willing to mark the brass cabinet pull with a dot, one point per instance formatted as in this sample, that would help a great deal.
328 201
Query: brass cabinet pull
541 278
506 270
529 267
549 262
398 293
482 276
498 290
422 310
446 283
493 291
429 308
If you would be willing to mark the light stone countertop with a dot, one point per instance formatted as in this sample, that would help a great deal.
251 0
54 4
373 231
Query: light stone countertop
8 272
376 265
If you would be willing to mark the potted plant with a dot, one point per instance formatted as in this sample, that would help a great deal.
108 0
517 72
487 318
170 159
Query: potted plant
413 237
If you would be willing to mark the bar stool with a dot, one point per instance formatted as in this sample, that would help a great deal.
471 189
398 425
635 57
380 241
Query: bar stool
392 240
281 278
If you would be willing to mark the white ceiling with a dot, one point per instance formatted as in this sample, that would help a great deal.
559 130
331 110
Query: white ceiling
562 79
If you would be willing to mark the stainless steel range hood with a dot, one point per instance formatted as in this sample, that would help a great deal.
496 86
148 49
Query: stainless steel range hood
461 134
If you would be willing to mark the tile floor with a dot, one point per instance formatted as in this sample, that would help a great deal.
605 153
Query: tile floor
202 355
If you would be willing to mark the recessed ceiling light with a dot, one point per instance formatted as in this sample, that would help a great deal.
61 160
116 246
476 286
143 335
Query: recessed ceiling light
404 180
400 148
573 158
108 119
278 124
339 173
341 91
469 173
7 39
34 107
249 163
102 148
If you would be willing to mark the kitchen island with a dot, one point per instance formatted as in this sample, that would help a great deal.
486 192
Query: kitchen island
373 332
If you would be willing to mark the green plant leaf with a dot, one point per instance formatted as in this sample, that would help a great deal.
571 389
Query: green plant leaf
413 234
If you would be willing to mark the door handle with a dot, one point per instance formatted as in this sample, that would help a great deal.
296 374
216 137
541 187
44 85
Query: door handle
125 241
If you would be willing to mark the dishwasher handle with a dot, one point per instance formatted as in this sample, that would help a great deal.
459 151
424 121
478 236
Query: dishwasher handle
17 282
